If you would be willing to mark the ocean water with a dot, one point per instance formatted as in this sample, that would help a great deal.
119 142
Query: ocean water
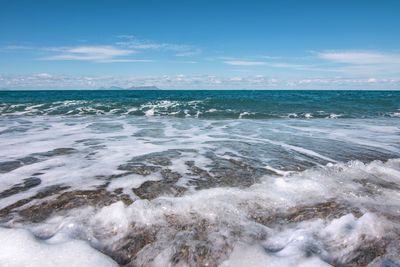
199 178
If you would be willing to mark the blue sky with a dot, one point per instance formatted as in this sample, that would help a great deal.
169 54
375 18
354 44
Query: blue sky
349 44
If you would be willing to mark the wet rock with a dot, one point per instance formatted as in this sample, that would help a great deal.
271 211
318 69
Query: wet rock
328 210
138 169
119 191
157 158
170 176
50 191
373 186
392 256
167 186
125 250
57 152
161 161
11 165
153 189
193 246
192 243
29 160
363 255
8 166
325 210
195 255
196 171
8 212
26 185
62 203
71 200
226 173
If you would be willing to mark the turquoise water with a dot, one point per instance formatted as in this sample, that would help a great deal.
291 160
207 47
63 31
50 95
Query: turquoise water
201 178
205 104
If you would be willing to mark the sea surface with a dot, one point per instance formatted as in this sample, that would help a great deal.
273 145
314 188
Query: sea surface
200 178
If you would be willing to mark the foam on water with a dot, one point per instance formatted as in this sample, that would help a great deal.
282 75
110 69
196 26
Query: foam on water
238 227
20 248
73 151
204 104
160 191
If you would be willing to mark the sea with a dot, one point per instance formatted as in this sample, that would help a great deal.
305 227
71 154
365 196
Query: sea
199 178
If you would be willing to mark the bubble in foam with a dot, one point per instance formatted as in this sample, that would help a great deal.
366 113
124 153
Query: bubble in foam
20 248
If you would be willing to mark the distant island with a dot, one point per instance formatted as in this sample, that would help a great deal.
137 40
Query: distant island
149 87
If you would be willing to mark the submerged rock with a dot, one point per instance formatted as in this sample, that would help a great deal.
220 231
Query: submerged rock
364 254
8 166
325 210
158 158
166 186
179 241
26 185
57 152
60 204
70 200
138 169
124 251
8 212
226 173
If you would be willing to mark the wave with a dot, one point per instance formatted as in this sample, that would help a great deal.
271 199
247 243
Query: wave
182 109
204 104
273 223
163 191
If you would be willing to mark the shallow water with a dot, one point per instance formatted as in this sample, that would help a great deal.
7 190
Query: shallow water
159 189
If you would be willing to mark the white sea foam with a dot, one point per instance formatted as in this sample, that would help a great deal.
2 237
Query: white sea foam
245 114
334 116
287 247
21 248
308 115
395 114
231 233
229 209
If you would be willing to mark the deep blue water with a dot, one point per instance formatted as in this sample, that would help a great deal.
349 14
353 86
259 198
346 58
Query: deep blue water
205 104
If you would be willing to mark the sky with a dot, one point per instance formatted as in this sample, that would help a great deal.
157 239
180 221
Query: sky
220 44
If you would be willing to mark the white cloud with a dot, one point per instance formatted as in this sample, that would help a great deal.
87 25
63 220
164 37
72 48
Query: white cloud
16 47
107 51
188 53
118 60
360 57
90 53
272 63
290 66
245 63
180 81
120 51
44 75
181 50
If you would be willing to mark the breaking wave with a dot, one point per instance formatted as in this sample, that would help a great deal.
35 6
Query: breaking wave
204 104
